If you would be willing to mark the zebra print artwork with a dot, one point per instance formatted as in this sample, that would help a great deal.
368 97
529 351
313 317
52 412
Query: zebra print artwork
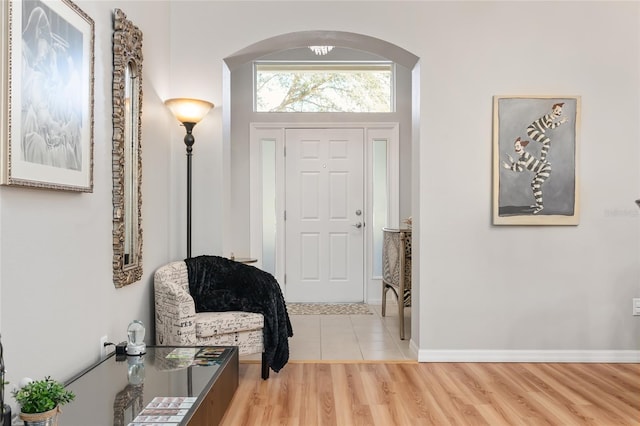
540 168
543 134
537 129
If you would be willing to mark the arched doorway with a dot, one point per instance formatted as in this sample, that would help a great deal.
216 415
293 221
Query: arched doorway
238 116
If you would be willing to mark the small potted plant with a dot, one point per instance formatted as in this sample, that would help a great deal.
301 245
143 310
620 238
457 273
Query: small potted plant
40 401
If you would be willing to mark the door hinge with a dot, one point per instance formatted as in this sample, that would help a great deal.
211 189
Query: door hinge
285 279
285 215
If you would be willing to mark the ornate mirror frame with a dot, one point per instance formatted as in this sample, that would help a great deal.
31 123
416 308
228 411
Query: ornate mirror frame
128 404
127 151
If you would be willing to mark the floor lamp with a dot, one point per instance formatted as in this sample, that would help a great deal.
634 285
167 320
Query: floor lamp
189 112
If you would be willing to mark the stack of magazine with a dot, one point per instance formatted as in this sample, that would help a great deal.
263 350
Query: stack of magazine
196 356
164 411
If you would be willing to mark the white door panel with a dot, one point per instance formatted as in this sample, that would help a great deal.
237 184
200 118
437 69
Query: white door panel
324 190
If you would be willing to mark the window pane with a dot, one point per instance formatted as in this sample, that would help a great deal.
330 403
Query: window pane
269 206
324 87
379 202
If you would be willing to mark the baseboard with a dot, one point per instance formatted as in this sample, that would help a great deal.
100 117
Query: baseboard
599 356
414 349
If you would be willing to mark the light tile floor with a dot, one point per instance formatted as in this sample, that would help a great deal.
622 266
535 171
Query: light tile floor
349 337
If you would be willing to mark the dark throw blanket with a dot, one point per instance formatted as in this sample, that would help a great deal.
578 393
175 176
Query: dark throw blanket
218 284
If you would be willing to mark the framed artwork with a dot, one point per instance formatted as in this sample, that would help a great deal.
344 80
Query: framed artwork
535 160
47 98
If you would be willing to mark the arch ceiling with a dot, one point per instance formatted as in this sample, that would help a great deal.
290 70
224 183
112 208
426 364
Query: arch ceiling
332 38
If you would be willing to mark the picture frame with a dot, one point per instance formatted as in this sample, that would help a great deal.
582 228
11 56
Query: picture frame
535 160
47 122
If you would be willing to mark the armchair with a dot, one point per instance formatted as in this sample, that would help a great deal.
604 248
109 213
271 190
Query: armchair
178 323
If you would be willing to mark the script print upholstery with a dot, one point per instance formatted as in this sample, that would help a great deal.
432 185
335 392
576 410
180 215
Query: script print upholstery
178 324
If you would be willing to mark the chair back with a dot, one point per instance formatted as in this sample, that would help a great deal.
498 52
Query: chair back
174 273
396 259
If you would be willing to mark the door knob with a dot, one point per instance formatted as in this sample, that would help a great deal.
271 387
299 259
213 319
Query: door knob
357 225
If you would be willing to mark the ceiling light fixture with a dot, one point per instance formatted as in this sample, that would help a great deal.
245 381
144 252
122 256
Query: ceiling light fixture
321 50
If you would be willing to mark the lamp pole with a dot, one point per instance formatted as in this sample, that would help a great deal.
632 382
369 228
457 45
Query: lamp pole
189 141
188 112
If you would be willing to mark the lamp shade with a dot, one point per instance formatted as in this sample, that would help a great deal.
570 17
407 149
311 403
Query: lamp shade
188 110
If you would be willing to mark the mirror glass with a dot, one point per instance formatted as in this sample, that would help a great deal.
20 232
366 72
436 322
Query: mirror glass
131 158
127 163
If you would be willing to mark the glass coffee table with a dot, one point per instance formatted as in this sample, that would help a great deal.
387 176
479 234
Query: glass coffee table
175 386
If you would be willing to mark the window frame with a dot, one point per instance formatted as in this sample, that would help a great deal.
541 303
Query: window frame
361 65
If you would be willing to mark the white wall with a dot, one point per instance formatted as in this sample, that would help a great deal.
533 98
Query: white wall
57 293
57 296
529 288
473 292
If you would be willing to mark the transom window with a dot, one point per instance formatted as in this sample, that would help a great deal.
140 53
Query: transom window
324 86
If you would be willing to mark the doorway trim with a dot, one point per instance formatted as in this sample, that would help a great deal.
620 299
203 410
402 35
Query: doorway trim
275 132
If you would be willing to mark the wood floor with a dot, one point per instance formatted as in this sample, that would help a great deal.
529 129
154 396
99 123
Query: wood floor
410 393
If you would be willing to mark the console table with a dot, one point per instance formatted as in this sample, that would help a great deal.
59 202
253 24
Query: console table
117 389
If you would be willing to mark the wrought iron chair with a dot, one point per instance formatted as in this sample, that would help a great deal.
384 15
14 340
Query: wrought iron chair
396 270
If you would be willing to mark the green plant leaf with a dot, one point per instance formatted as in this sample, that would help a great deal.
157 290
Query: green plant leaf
42 395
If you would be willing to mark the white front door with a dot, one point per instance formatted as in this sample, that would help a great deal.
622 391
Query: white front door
324 227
